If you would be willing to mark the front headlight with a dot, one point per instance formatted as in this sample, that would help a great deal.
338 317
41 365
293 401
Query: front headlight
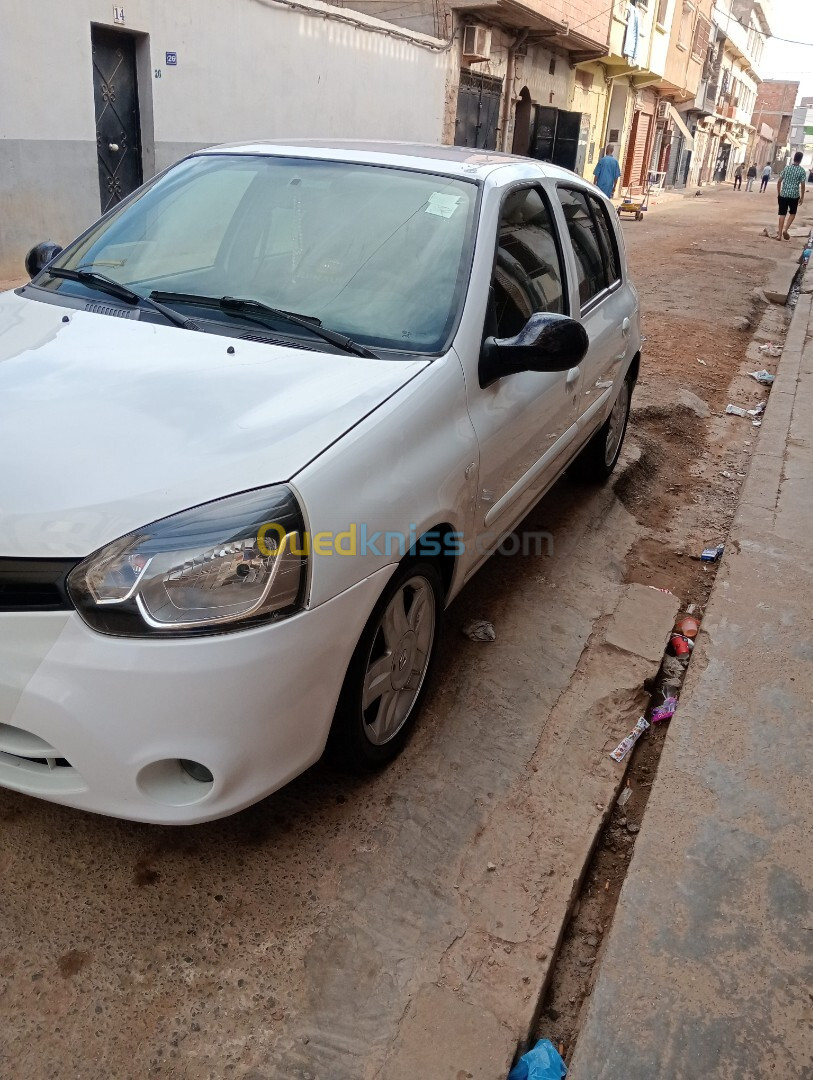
221 566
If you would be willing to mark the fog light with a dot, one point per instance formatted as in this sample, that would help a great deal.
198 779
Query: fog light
196 771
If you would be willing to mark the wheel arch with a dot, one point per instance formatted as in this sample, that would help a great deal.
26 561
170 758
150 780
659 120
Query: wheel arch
635 367
450 541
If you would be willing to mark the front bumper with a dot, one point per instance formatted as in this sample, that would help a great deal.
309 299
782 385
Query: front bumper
101 723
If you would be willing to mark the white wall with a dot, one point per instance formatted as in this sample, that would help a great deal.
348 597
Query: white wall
246 70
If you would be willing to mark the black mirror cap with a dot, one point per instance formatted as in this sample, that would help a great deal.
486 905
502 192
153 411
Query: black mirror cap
547 342
39 257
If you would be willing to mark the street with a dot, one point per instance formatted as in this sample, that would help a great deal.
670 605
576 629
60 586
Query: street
346 928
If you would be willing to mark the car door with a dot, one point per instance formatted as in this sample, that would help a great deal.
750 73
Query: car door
525 420
602 303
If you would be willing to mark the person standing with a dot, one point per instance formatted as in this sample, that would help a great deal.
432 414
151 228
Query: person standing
766 176
738 177
752 175
791 189
607 172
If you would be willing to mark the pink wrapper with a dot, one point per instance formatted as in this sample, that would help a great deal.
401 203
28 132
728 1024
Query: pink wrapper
665 711
627 744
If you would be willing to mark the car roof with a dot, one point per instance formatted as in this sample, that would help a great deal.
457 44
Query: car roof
460 161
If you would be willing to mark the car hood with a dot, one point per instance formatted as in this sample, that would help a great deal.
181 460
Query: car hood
107 423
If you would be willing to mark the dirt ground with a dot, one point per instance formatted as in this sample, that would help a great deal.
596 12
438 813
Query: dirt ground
306 936
699 265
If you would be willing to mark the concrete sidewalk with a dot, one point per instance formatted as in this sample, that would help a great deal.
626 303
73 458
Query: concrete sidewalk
708 966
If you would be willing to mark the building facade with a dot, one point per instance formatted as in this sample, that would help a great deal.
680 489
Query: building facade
523 77
130 89
687 31
801 131
776 100
730 85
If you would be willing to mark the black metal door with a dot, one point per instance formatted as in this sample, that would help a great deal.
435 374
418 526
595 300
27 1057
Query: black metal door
115 93
544 137
568 129
478 110
557 135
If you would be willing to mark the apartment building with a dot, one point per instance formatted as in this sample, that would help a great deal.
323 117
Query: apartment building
523 77
776 99
723 109
801 130
688 26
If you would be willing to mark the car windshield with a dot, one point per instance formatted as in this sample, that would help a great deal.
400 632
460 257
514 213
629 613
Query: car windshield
378 254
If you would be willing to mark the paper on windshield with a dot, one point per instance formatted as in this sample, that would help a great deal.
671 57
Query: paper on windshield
442 205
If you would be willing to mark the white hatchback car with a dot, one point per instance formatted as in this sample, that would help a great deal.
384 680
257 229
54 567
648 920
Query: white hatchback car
260 423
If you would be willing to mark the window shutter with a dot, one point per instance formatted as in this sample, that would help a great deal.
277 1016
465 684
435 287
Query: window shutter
701 36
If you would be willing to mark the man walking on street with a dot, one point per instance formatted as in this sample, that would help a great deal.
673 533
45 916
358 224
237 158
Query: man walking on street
738 177
607 172
791 188
766 176
752 175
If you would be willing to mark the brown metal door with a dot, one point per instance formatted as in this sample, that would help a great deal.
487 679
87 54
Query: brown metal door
630 155
639 155
115 93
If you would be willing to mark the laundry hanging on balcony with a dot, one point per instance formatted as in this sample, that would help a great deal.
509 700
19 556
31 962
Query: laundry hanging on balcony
632 35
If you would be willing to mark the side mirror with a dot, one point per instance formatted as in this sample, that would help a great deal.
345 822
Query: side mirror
547 342
39 257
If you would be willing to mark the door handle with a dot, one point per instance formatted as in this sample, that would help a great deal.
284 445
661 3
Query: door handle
113 146
572 376
625 326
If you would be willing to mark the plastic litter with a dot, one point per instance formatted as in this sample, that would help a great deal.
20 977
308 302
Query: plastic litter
703 362
542 1063
756 423
763 376
735 410
712 554
771 350
687 626
627 744
625 796
479 630
758 410
665 711
680 645
672 669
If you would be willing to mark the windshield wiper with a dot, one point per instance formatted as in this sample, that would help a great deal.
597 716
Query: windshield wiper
256 311
107 285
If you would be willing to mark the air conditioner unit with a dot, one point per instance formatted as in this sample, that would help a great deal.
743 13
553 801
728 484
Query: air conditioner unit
663 105
476 43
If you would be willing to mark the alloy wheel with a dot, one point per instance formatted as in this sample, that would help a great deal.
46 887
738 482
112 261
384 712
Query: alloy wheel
398 660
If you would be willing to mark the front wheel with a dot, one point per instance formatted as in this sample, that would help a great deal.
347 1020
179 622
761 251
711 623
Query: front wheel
598 459
387 677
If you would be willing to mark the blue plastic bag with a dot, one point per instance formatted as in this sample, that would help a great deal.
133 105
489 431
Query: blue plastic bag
541 1063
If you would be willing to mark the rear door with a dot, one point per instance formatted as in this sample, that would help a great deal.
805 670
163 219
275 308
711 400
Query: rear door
602 301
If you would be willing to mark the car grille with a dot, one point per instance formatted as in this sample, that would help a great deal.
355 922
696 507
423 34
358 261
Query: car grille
111 309
35 584
269 339
28 763
26 748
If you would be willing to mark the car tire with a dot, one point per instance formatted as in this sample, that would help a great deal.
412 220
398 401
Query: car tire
600 456
390 670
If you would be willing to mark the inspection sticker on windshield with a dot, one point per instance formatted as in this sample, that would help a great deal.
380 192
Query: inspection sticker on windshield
442 205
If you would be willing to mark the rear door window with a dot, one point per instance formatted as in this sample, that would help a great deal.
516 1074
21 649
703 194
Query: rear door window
591 266
606 234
